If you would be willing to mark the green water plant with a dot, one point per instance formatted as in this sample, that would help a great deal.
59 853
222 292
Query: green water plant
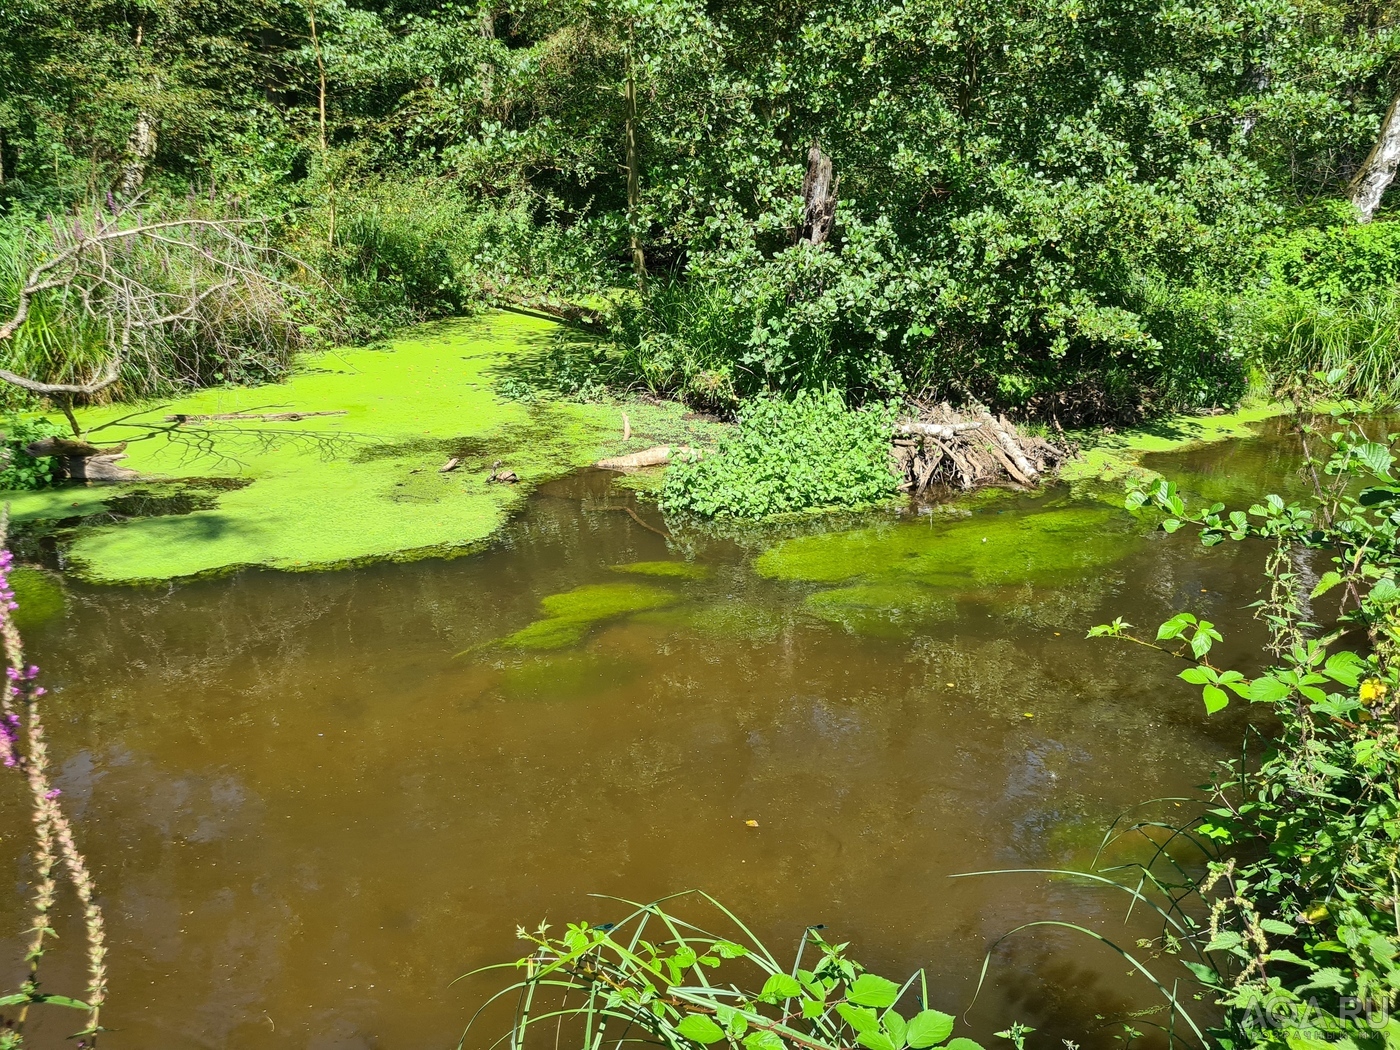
786 456
1297 933
655 976
572 614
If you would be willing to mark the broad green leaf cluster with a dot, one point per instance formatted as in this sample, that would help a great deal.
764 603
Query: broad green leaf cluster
657 974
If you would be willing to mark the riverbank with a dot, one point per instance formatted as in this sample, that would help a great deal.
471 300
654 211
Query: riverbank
366 484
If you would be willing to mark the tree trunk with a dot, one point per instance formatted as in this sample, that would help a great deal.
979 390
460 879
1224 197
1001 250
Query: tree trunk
141 147
639 259
819 192
1378 171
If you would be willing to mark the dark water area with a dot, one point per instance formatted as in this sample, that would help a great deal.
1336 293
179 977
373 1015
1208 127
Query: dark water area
313 801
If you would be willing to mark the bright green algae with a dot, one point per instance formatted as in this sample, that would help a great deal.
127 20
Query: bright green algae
337 490
572 614
685 570
894 574
1040 546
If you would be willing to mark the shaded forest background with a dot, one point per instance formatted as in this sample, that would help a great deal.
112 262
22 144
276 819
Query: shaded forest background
1078 209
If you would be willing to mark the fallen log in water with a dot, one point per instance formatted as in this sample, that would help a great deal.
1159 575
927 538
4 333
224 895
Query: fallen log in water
651 457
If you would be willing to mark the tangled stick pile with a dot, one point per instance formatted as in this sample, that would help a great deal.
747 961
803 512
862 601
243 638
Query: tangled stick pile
967 449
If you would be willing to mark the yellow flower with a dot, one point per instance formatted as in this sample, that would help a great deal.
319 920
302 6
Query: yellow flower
1373 690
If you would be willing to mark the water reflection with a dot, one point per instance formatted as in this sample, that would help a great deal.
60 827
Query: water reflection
308 816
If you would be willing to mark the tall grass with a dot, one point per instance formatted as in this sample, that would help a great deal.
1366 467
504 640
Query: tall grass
232 318
1295 332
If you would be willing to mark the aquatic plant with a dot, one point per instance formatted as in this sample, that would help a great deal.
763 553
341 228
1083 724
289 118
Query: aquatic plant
23 747
787 456
1295 929
655 976
572 614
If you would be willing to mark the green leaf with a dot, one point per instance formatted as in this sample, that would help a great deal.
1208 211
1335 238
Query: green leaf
929 1028
730 950
894 1027
1283 929
1329 580
872 990
1197 675
813 1008
875 1041
764 1040
700 1028
1345 667
1373 497
1216 699
1267 690
963 1043
860 1018
62 1000
779 986
1376 457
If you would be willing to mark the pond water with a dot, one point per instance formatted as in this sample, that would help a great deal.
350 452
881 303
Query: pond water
313 800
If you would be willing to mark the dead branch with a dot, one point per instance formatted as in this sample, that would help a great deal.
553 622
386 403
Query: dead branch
946 447
271 417
141 282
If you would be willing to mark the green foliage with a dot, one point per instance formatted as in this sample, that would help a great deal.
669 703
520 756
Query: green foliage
655 972
1051 206
1301 946
787 456
21 470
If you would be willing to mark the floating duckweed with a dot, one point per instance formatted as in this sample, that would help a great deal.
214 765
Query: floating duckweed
572 614
688 570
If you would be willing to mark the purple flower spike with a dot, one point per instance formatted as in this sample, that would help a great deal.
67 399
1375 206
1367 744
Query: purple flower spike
51 795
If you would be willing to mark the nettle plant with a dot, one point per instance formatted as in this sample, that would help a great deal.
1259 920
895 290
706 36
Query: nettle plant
1299 942
683 987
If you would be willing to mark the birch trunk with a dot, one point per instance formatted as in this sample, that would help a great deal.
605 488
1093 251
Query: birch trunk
1378 171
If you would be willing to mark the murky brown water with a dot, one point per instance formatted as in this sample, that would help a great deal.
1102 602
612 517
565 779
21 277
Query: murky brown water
307 817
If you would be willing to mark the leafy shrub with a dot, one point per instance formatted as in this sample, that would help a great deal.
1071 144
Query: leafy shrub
1335 261
20 470
666 980
789 455
1299 943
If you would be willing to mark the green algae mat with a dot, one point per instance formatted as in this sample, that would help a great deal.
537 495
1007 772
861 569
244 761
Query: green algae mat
328 490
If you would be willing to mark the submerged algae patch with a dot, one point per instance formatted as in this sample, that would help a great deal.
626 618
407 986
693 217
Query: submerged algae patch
571 615
1047 547
39 595
894 576
687 570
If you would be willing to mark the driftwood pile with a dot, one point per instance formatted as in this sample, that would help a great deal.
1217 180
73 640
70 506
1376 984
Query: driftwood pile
964 450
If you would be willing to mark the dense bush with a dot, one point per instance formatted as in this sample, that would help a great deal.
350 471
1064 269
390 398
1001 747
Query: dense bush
18 469
786 456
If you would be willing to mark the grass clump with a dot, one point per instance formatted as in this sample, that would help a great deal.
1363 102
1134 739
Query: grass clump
786 456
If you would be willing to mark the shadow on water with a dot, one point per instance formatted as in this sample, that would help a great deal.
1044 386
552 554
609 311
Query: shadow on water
308 815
